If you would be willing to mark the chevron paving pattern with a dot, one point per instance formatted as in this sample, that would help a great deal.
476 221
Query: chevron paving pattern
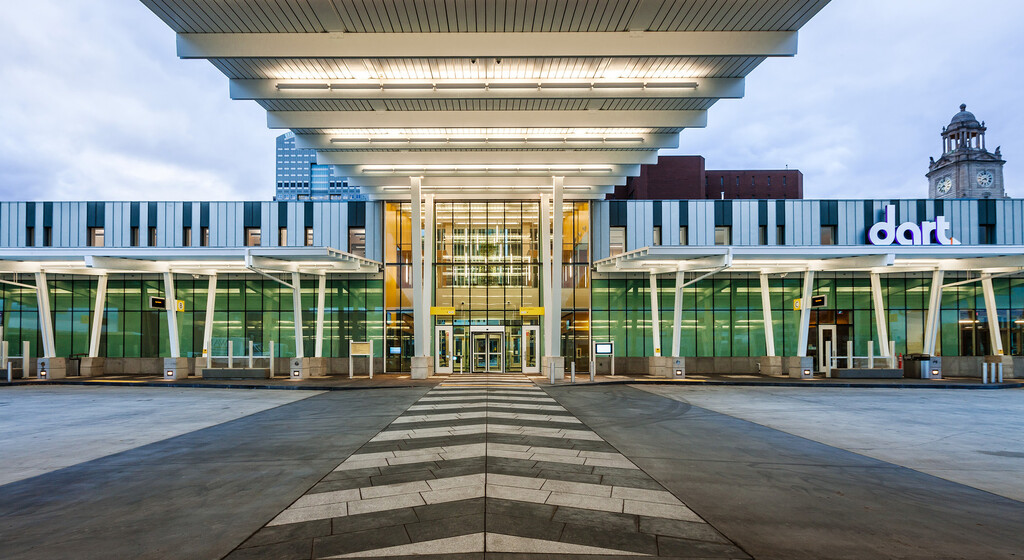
486 466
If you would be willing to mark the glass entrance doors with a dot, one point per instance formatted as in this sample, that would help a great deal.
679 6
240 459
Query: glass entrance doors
828 344
488 352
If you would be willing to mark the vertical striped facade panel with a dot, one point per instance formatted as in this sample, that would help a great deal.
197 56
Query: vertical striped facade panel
268 221
143 227
670 223
599 227
374 231
296 224
772 223
197 225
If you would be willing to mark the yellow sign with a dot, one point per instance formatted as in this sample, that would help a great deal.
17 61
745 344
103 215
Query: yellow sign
523 311
179 305
360 348
797 303
442 311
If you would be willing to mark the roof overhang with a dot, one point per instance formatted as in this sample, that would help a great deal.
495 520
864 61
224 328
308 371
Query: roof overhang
785 259
185 260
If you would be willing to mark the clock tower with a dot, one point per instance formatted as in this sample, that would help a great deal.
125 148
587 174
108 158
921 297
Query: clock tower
966 169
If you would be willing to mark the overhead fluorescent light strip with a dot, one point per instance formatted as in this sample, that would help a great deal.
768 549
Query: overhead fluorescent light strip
303 85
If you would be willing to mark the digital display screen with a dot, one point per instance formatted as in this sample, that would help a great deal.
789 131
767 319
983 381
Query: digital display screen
394 350
603 349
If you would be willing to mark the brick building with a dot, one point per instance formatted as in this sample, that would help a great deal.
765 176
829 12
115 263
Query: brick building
685 177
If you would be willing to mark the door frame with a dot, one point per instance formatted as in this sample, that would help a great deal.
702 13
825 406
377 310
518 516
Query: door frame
821 344
527 350
487 331
441 331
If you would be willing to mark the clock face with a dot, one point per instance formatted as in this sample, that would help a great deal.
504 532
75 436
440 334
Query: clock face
985 179
943 185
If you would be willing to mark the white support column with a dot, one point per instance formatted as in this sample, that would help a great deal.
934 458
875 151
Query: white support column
545 260
170 301
766 314
321 301
805 314
211 299
417 266
677 313
97 316
995 339
655 319
881 320
45 320
931 322
555 318
426 299
297 307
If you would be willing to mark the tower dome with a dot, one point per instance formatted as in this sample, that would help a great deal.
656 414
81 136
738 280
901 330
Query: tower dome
965 118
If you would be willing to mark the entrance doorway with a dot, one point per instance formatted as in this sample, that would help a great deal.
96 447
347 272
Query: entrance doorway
531 349
826 337
443 360
488 352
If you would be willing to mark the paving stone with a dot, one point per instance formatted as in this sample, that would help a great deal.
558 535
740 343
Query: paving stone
292 531
605 519
671 546
524 526
639 480
591 490
667 511
585 502
498 506
376 520
657 496
342 484
289 550
681 529
618 540
385 503
446 527
359 540
449 509
554 474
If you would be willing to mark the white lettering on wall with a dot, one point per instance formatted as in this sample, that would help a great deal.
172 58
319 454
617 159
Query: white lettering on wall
909 233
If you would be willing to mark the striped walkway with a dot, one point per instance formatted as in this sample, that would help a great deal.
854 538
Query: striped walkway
486 466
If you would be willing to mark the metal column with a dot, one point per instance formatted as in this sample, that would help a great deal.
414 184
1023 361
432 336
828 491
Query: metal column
171 304
417 265
426 324
805 314
881 321
545 259
297 313
321 300
211 298
677 313
655 319
97 316
45 319
995 339
766 313
554 320
931 323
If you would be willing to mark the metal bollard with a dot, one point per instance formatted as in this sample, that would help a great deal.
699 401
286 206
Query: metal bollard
231 354
984 373
572 371
1000 372
593 369
8 372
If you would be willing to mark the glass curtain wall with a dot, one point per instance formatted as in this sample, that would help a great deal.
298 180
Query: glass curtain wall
487 267
575 319
398 236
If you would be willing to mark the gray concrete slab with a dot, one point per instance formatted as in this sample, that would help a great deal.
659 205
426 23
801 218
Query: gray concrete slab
777 495
44 428
971 437
196 495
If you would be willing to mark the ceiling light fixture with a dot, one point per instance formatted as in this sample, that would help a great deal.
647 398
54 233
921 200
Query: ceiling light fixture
303 85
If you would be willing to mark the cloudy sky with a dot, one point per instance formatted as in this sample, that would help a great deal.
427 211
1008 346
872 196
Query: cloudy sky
96 105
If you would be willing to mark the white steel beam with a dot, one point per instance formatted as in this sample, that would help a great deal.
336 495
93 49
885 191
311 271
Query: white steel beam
427 287
313 89
45 319
500 181
486 119
881 318
992 313
805 314
462 45
97 316
677 313
170 303
546 272
448 141
297 313
211 299
321 301
555 318
766 314
934 309
419 346
357 162
655 319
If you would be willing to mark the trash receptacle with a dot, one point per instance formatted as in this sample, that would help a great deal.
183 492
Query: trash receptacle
922 366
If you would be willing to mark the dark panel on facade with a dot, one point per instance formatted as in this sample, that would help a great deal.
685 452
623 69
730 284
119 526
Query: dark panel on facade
617 213
251 215
153 212
204 214
47 214
780 212
657 213
723 212
186 214
762 212
684 213
30 214
357 214
829 212
282 214
134 210
308 207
